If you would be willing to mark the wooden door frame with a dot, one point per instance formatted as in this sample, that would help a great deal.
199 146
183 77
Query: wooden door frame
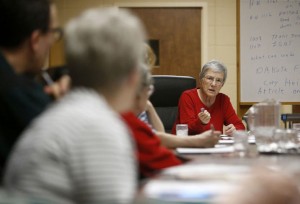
204 18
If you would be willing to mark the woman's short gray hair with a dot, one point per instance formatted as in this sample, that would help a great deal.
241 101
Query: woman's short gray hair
103 47
213 65
146 77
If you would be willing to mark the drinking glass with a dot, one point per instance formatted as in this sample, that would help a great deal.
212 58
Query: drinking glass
280 140
292 139
296 126
241 146
286 140
181 129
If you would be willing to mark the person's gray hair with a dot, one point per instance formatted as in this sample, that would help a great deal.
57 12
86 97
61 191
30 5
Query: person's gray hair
215 66
146 77
103 47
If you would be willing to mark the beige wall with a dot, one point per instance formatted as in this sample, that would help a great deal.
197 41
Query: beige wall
222 42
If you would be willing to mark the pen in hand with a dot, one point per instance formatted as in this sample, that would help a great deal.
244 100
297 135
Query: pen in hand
50 88
47 78
204 116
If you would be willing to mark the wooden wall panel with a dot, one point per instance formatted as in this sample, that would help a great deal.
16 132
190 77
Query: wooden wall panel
179 33
57 55
296 108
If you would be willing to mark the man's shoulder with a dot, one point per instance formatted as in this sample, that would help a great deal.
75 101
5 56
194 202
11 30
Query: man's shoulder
23 88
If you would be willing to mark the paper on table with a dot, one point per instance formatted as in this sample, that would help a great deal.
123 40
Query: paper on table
225 142
250 141
188 191
225 136
207 171
216 149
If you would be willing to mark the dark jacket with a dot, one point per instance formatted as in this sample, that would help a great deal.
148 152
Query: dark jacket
21 100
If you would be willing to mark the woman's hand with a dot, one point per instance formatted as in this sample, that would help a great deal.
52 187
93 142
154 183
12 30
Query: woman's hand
59 88
229 129
206 139
204 117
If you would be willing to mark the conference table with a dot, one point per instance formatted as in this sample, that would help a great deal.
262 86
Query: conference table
206 174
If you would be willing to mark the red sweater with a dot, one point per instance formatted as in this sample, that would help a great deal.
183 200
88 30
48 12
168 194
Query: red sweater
152 156
221 112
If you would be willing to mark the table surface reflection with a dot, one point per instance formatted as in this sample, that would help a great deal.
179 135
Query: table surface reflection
286 162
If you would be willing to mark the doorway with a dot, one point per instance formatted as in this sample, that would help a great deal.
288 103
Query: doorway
176 33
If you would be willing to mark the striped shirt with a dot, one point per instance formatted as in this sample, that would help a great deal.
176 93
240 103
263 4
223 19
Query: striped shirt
78 151
145 118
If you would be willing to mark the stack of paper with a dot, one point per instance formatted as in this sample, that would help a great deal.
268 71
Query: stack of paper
216 149
250 141
183 191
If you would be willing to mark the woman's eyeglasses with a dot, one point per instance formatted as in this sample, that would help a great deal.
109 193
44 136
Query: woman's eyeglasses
150 90
57 33
211 80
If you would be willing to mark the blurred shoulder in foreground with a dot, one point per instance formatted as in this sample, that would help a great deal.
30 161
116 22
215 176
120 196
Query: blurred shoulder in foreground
264 186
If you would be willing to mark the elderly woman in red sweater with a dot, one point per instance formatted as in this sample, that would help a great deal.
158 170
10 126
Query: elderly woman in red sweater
205 106
153 151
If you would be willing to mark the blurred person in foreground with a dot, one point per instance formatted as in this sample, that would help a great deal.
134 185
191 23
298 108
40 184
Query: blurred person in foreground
151 154
263 186
28 29
80 150
205 106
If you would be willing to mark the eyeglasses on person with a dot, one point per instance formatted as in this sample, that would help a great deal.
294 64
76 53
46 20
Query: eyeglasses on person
150 90
210 79
57 33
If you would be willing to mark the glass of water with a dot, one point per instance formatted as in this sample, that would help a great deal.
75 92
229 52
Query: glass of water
182 130
241 146
280 140
296 126
292 138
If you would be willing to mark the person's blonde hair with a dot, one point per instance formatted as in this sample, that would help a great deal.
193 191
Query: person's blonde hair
150 57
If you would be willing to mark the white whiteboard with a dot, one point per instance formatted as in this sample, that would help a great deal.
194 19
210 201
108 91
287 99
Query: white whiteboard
269 50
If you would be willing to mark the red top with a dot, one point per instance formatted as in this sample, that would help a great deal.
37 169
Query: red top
152 156
221 112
